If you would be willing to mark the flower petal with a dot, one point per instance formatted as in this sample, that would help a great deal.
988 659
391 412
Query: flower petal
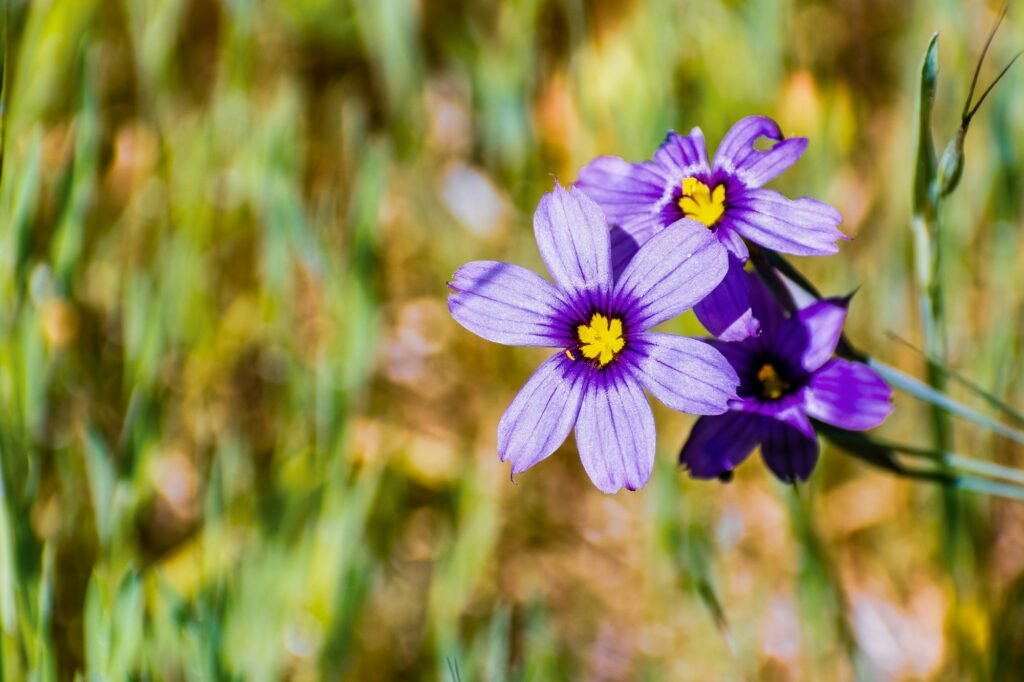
788 409
615 432
542 413
686 374
790 454
718 444
682 157
765 307
672 272
624 247
849 395
572 235
737 155
622 189
742 356
802 227
732 240
508 304
725 312
810 335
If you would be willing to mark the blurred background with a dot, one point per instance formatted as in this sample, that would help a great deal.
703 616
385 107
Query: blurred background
241 438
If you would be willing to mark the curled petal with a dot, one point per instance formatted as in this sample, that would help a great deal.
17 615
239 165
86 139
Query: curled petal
507 304
686 374
542 414
802 227
737 155
849 395
725 312
718 444
615 432
572 235
788 452
670 273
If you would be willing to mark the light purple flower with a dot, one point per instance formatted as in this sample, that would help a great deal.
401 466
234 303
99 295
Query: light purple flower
600 325
641 199
787 378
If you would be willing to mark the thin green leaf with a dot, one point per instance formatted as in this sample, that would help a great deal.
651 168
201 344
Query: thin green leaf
1008 410
932 396
924 174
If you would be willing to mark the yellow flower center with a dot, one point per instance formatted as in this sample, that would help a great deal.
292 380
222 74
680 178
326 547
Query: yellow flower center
701 203
600 340
772 385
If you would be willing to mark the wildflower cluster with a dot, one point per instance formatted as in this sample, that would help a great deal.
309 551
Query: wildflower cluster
632 245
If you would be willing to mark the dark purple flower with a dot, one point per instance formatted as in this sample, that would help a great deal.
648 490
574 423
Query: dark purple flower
606 355
641 199
787 377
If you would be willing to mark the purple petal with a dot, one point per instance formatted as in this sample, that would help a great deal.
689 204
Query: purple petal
508 304
849 395
802 227
741 355
623 190
788 409
686 374
673 271
737 155
790 454
640 231
542 413
765 307
624 247
733 241
718 444
572 235
811 335
615 432
682 157
725 312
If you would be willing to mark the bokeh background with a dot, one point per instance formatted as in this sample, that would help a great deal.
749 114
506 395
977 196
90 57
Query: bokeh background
241 438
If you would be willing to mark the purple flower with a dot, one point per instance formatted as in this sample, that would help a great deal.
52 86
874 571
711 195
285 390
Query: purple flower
606 356
787 377
641 199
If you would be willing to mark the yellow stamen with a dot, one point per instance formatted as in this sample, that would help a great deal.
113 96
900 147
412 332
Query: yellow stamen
701 203
570 355
772 385
601 339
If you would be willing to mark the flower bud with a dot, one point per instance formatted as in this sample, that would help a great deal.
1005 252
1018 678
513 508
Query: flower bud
951 164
